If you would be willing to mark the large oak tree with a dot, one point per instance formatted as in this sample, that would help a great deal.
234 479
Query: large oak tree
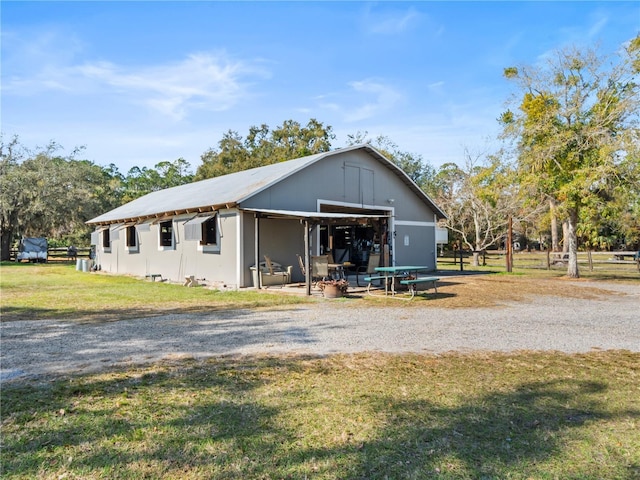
576 130
44 193
264 146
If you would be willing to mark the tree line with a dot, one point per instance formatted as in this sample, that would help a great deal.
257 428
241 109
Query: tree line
567 172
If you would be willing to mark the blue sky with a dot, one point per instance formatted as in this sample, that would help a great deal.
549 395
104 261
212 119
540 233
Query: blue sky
138 83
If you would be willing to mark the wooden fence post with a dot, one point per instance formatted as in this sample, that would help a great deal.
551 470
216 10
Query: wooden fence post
510 246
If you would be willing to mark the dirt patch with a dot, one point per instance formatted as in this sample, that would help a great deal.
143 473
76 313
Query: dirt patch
495 290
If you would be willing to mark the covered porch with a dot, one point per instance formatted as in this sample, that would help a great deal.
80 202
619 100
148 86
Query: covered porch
348 236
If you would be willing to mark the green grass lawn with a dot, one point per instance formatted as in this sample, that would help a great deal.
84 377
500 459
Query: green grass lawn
369 416
526 415
534 263
41 291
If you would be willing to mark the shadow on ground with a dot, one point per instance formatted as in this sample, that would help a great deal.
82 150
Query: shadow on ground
106 315
286 418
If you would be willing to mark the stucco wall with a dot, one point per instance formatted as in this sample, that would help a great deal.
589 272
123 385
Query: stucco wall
187 257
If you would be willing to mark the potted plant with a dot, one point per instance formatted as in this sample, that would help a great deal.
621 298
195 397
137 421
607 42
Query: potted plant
333 288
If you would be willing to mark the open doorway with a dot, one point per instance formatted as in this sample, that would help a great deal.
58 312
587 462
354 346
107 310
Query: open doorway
354 243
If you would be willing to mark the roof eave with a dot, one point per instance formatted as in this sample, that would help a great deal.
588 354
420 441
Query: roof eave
169 213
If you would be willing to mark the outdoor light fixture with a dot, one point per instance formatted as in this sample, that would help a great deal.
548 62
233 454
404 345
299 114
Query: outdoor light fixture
390 201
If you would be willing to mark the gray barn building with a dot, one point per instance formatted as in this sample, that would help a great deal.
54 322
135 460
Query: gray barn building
350 201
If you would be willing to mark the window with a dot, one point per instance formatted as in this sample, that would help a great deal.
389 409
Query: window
166 234
106 238
132 240
209 232
205 230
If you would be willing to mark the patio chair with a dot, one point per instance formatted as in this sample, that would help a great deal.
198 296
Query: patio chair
303 270
301 264
370 269
320 267
274 272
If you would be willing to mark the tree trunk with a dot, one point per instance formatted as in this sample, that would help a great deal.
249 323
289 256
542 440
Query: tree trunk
476 258
571 241
555 243
565 236
5 254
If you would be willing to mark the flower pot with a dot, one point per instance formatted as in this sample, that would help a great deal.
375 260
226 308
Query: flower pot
332 291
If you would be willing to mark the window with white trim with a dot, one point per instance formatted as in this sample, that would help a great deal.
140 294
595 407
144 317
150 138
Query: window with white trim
132 237
205 230
106 238
166 233
210 232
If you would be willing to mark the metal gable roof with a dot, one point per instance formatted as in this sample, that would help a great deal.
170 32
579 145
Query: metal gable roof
205 195
230 190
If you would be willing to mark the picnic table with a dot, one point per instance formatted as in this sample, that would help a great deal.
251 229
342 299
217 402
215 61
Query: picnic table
405 274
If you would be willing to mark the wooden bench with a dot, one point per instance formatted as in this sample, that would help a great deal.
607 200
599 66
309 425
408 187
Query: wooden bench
412 283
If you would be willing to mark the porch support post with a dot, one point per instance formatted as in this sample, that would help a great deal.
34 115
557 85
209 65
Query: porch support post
256 250
307 263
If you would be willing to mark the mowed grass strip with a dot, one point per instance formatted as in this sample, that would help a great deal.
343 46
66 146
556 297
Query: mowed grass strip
41 291
368 416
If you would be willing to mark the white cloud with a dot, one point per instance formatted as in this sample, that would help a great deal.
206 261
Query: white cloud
436 86
394 23
389 21
201 81
364 99
578 35
383 98
600 21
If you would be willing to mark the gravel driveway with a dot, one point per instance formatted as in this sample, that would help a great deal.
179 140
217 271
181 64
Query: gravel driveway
33 348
